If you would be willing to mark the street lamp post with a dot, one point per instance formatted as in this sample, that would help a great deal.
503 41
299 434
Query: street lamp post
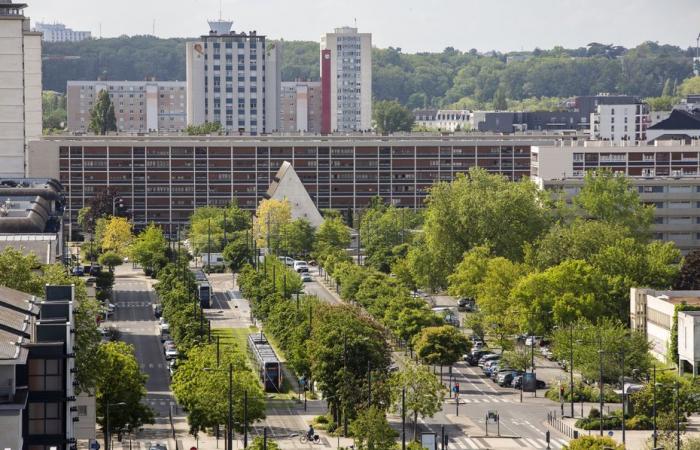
229 422
678 417
571 367
601 398
108 435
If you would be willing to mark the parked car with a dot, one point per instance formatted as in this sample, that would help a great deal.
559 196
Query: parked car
158 447
518 381
95 269
547 353
172 365
306 277
78 271
531 341
158 310
466 304
486 358
506 378
488 365
473 358
171 353
287 260
301 266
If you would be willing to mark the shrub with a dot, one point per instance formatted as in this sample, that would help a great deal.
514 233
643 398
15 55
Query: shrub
594 443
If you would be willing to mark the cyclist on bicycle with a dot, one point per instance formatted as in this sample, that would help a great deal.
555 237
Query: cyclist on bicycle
311 433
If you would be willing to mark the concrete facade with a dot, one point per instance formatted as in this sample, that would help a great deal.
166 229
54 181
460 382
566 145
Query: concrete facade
233 79
287 186
139 106
163 180
349 75
620 122
20 88
300 107
666 175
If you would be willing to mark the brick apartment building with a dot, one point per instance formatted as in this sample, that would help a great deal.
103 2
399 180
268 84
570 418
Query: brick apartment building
164 180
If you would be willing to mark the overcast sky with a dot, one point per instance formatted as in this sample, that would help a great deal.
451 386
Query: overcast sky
413 25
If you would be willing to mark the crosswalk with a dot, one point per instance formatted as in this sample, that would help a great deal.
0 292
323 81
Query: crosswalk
465 400
133 304
481 443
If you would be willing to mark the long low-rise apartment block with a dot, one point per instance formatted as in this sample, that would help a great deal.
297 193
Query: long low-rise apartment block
164 180
667 176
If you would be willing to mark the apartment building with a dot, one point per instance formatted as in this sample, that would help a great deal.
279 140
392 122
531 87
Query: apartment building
139 106
653 313
37 365
20 90
619 122
667 176
233 79
444 119
346 76
58 32
164 180
300 107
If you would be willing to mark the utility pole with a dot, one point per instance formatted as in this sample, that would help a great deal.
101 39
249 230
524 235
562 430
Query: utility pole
245 419
209 247
571 367
622 353
403 418
345 394
229 426
217 351
601 398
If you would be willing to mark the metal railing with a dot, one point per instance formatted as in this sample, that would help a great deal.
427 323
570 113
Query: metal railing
560 426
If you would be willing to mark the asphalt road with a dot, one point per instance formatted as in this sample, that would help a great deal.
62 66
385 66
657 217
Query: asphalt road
135 320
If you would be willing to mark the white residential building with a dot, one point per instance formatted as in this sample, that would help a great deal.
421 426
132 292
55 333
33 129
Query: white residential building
620 122
444 119
57 32
20 88
652 313
233 79
346 78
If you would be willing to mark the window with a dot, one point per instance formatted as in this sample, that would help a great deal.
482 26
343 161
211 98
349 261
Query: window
45 418
45 374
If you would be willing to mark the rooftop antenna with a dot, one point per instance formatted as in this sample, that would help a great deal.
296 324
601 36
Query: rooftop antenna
221 8
154 27
100 27
355 22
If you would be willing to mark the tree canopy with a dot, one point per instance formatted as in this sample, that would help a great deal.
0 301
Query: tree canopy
389 116
102 118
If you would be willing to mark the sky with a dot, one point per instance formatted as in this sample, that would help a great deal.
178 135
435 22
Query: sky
412 25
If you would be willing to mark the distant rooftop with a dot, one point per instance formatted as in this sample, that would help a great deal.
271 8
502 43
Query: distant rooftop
7 8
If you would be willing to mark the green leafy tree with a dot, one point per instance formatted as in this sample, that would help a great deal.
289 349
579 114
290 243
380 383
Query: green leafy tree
609 335
443 345
85 219
216 226
110 260
299 237
102 118
518 359
424 393
664 103
594 443
690 86
259 444
149 249
332 236
611 198
382 229
689 276
689 399
201 387
389 116
117 236
468 275
204 129
499 100
478 209
372 431
238 252
121 381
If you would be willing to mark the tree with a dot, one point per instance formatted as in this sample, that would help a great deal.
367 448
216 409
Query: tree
117 236
480 209
111 260
299 237
259 444
468 275
272 218
204 393
610 335
237 252
519 359
594 443
85 218
443 345
424 393
149 249
121 381
332 235
382 229
215 226
689 277
611 198
668 88
203 129
102 118
688 399
389 116
689 86
372 431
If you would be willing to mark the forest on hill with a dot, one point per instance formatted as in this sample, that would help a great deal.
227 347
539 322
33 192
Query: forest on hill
470 79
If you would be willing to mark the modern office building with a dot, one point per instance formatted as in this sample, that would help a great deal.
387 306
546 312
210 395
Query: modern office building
20 87
667 176
37 364
346 77
620 122
300 107
57 32
163 180
139 106
233 79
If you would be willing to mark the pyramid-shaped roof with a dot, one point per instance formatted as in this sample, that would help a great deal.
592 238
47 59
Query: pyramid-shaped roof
287 186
